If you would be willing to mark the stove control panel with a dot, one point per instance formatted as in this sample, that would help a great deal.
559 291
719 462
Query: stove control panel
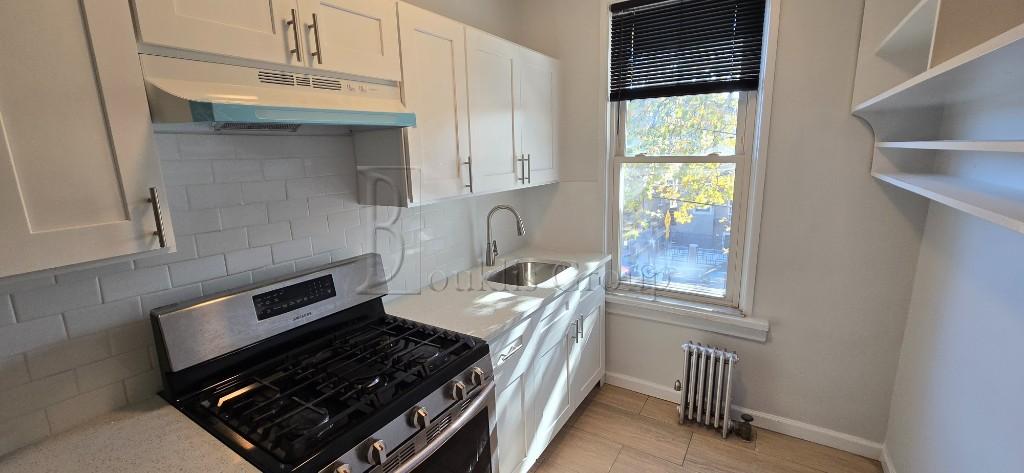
289 298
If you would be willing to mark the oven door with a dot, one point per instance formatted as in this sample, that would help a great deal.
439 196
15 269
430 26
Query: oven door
465 446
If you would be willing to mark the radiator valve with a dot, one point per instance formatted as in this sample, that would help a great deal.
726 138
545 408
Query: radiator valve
745 431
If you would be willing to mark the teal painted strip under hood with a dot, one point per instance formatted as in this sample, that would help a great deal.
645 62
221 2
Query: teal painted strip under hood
241 113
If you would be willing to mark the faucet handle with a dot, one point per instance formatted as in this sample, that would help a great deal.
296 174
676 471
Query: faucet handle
494 248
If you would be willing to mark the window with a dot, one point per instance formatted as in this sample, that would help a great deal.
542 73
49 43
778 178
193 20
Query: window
683 144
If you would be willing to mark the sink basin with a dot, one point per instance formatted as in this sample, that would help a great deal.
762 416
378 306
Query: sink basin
528 273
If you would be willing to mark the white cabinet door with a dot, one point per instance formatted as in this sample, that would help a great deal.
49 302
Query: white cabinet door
537 116
357 37
491 63
585 368
511 421
76 152
547 393
434 86
256 30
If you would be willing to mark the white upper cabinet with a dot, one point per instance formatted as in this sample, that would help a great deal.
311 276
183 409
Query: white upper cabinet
84 196
491 63
357 37
260 31
537 117
434 86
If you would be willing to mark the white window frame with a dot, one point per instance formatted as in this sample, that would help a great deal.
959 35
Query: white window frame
746 126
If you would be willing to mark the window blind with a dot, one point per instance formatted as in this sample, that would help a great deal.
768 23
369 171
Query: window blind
663 48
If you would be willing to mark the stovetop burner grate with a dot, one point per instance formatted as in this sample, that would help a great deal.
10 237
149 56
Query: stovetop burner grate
294 404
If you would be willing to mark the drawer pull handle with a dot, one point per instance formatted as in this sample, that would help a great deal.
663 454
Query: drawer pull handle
505 356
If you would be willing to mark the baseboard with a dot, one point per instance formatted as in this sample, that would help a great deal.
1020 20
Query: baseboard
887 466
782 425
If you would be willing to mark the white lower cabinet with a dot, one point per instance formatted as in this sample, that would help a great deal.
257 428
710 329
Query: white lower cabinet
544 368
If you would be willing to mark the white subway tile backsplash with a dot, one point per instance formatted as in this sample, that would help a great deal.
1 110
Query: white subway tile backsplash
202 269
339 147
287 210
246 260
238 171
25 283
6 311
135 283
131 336
342 254
243 215
79 409
185 249
101 317
64 356
97 271
334 166
24 336
215 243
212 196
329 241
180 173
276 146
309 226
339 221
37 395
323 205
166 146
197 221
170 296
357 236
13 372
112 369
312 262
292 250
176 197
226 283
51 300
314 186
283 169
22 431
195 146
271 272
261 235
267 191
143 386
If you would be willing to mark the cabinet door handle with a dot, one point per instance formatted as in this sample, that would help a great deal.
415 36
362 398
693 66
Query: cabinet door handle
529 168
579 330
522 168
469 164
294 24
154 200
316 39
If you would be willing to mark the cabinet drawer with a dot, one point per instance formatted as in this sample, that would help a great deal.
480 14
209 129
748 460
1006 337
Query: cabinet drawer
507 352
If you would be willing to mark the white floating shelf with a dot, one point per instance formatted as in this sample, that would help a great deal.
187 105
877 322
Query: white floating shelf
958 145
1000 206
991 69
911 40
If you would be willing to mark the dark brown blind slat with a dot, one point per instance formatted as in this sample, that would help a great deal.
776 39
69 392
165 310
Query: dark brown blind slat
663 48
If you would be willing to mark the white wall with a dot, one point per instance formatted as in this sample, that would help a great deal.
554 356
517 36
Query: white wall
956 405
837 249
498 17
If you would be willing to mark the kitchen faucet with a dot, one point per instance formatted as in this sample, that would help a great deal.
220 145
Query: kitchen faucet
492 245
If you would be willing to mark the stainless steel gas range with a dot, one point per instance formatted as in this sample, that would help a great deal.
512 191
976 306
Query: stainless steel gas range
309 374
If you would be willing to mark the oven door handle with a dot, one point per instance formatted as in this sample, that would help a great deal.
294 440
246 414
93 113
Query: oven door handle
478 404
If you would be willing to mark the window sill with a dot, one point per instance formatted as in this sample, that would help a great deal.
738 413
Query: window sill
710 318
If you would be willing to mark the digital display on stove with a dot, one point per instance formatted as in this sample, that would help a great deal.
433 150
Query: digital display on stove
284 300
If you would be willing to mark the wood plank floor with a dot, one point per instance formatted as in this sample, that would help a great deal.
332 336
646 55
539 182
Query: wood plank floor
621 431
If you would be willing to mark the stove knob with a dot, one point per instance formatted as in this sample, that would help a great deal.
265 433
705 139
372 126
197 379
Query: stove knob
420 417
343 469
377 454
476 376
458 390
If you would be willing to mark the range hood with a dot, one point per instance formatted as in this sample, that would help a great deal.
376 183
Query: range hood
187 92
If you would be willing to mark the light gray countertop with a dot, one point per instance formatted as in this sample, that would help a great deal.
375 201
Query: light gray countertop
153 436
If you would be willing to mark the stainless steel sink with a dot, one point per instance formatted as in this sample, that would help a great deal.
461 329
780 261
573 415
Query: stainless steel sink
528 273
